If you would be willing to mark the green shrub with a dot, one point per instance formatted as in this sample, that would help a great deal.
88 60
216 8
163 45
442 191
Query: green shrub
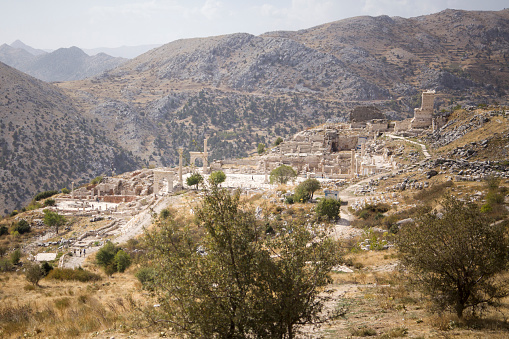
49 202
15 256
5 265
106 254
122 261
78 274
97 180
3 230
494 198
289 199
21 227
146 276
46 268
44 195
65 190
329 208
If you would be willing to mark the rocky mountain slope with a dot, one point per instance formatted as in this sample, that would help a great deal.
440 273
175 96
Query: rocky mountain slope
241 89
64 64
45 143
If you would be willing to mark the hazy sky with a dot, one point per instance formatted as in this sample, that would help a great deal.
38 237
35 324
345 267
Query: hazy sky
53 24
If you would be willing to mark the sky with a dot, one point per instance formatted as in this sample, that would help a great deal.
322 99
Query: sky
52 24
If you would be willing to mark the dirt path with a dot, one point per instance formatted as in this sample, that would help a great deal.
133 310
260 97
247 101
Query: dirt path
131 229
424 150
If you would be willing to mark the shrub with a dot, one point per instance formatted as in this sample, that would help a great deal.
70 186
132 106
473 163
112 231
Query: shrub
5 265
328 207
49 202
78 274
3 250
15 256
46 268
146 276
65 190
3 230
106 254
194 179
122 261
44 195
21 227
97 180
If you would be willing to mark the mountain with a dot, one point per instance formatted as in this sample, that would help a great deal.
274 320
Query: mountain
240 90
34 51
127 52
64 64
46 142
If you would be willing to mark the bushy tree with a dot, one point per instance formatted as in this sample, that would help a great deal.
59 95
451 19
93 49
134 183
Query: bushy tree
260 148
33 273
229 283
456 255
282 174
328 208
278 141
112 258
22 226
194 179
217 177
53 219
122 261
305 190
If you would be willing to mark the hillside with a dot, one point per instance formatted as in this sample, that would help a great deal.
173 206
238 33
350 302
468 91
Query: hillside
64 64
240 89
45 143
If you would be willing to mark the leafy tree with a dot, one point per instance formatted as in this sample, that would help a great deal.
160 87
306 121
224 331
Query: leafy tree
261 148
65 190
456 256
194 179
229 283
282 174
306 189
217 177
53 219
34 273
329 207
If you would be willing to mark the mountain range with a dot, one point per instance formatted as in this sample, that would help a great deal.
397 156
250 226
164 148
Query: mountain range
239 90
64 64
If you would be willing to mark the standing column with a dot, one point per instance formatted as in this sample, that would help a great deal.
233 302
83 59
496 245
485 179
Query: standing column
205 156
72 190
181 151
352 164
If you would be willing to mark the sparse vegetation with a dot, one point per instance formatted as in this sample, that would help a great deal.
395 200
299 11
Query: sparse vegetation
78 274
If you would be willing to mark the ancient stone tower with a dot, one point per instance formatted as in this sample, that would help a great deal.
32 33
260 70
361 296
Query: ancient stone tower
423 116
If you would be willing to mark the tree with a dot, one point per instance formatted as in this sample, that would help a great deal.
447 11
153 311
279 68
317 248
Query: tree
22 226
456 256
194 179
217 177
329 207
53 219
34 273
112 258
278 141
261 148
306 189
282 174
236 281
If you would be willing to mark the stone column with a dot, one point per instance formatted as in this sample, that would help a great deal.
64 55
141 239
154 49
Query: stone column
205 156
352 164
181 151
72 190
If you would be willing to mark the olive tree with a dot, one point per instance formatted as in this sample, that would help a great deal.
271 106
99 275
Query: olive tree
235 281
306 189
456 255
282 174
